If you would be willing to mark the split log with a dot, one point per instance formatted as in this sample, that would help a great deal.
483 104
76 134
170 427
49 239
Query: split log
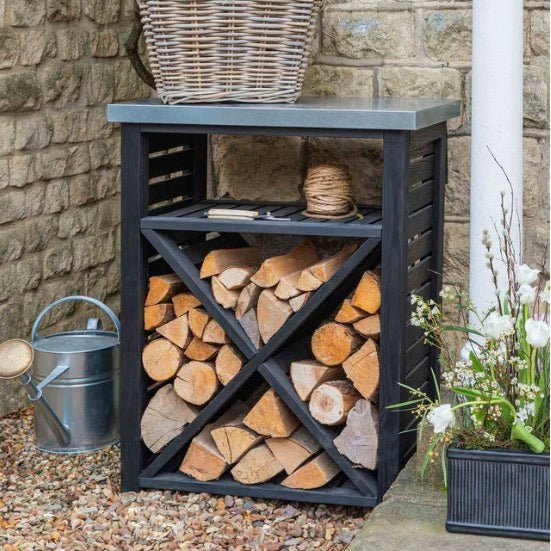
359 439
176 331
331 402
273 269
313 277
247 299
287 287
163 288
296 303
234 439
196 382
271 417
225 297
315 474
271 314
307 375
157 315
164 418
292 452
369 327
367 295
249 323
236 278
362 368
200 351
214 333
348 313
217 261
198 320
184 302
228 363
161 359
258 465
333 342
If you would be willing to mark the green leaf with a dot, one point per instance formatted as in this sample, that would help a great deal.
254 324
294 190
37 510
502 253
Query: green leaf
470 393
461 329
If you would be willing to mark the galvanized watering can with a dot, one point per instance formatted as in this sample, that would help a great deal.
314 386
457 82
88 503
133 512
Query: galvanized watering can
74 385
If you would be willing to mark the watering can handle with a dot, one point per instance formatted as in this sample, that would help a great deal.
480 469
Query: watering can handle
76 298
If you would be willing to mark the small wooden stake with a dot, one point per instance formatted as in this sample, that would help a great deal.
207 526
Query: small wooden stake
228 363
214 333
367 295
198 320
247 299
362 368
249 323
271 313
223 296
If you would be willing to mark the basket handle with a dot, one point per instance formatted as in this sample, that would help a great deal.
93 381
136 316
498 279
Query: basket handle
131 47
76 298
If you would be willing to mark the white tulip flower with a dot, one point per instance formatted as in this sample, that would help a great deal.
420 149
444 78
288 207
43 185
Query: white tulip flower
526 294
525 274
497 326
537 333
545 294
441 417
468 347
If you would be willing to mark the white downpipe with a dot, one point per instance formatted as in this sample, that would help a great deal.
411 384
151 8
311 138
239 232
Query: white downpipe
497 77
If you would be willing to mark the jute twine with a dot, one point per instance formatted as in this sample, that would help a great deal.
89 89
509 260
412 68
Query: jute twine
328 191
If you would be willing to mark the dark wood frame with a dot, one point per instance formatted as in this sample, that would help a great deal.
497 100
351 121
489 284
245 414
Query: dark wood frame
169 163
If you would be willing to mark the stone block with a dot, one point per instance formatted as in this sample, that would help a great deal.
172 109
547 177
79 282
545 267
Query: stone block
9 49
103 12
82 189
420 82
20 276
24 13
536 89
62 11
104 153
327 80
57 196
92 250
33 132
12 244
72 43
258 167
61 83
459 176
448 35
456 254
7 136
97 126
364 159
539 32
108 182
34 199
4 173
75 221
104 43
37 45
19 92
533 172
369 34
128 84
57 261
23 170
99 83
67 161
69 126
39 232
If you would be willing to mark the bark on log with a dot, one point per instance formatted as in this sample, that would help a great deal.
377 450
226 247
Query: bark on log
223 296
196 382
258 465
348 313
198 319
296 303
314 474
333 342
271 314
331 402
162 288
271 417
200 351
247 299
157 315
161 359
217 261
228 363
307 375
362 368
359 440
184 302
367 295
214 333
164 418
177 331
273 269
235 278
249 323
369 327
292 452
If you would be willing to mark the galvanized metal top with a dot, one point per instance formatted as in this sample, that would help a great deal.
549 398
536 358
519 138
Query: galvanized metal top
320 113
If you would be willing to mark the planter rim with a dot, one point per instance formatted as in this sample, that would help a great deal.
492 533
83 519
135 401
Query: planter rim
499 455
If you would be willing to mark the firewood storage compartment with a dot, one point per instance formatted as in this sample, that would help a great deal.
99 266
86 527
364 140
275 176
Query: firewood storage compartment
164 230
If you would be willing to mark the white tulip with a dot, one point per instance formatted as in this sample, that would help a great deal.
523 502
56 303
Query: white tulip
441 417
525 274
497 326
468 347
526 294
545 294
537 333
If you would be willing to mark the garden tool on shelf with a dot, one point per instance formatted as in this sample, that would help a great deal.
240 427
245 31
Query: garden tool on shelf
235 214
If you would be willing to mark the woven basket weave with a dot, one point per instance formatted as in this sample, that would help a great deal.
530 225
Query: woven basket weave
228 50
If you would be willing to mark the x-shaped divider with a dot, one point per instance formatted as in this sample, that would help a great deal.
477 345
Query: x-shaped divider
261 360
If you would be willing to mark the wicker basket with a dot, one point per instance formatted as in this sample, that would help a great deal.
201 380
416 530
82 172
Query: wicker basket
228 50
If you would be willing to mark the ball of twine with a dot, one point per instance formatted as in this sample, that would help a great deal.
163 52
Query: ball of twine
328 191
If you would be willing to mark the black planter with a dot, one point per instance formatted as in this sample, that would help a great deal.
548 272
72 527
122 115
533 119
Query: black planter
498 493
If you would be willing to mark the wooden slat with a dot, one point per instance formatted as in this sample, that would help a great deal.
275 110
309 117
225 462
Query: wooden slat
413 334
419 274
419 374
420 170
172 162
415 353
157 211
420 247
421 196
162 142
424 291
420 149
170 189
420 221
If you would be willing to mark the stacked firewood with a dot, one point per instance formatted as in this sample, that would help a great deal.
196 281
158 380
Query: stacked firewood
265 294
341 383
257 444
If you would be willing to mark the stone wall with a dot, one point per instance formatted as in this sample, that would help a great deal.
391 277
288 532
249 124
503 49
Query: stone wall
61 62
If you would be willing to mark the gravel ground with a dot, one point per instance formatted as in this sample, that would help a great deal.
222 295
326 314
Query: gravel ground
73 502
